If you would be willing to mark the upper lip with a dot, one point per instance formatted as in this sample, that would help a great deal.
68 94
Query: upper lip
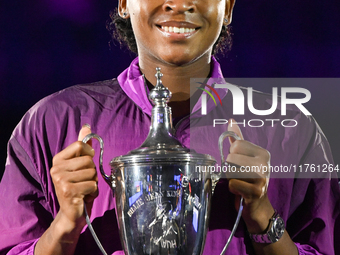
172 23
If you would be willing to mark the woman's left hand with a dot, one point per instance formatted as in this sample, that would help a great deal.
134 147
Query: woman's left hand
252 186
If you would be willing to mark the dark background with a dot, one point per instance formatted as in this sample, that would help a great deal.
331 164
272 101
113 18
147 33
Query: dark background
46 46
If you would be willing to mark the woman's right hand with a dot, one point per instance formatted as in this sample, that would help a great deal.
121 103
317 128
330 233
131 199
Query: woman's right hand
75 181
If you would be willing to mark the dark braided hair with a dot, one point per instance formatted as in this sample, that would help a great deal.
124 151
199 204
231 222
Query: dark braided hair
121 31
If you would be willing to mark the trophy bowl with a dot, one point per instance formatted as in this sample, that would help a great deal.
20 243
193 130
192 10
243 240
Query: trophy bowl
162 203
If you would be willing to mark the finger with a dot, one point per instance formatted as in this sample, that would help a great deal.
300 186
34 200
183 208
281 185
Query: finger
84 131
247 174
86 189
246 177
76 149
75 192
247 190
63 179
232 126
83 175
247 165
90 190
244 148
77 163
90 197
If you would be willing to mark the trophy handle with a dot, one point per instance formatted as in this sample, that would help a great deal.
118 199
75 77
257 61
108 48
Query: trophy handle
110 180
223 136
239 213
215 177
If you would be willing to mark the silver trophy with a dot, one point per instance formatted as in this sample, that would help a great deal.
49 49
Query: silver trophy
162 201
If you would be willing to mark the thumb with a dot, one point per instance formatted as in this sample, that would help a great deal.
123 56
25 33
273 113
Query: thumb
84 131
232 126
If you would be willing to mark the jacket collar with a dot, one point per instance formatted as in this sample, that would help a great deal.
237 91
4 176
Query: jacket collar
133 84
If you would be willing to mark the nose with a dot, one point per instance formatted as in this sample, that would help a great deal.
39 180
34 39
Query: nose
179 6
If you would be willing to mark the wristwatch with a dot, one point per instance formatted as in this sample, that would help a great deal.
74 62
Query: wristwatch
275 231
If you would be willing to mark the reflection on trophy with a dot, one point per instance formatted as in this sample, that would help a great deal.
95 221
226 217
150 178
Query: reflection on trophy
162 202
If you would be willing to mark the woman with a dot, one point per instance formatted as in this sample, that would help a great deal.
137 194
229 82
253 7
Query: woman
51 173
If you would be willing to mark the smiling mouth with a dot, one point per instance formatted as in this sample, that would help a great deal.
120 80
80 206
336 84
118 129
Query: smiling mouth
177 30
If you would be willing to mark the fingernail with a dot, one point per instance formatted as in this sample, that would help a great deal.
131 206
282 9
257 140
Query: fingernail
86 125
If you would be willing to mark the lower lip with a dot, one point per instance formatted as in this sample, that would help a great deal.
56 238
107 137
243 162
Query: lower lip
177 36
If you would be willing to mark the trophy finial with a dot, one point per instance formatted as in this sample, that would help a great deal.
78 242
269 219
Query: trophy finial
158 75
161 132
159 94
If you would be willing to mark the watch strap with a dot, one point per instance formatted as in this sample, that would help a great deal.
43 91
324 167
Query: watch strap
269 236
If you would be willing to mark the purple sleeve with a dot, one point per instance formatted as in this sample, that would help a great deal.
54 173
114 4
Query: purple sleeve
306 250
25 248
24 213
313 220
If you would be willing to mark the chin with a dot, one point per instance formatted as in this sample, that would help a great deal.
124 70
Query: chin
179 59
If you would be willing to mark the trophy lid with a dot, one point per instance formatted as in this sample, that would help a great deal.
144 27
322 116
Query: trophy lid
161 145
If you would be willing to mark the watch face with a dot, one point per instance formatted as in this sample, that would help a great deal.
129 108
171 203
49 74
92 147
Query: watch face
278 227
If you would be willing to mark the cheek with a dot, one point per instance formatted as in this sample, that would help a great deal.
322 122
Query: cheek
213 12
138 27
141 12
140 21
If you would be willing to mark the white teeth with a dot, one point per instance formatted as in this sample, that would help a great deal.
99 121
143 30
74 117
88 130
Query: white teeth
178 30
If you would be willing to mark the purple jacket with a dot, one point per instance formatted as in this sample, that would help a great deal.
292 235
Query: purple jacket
119 111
